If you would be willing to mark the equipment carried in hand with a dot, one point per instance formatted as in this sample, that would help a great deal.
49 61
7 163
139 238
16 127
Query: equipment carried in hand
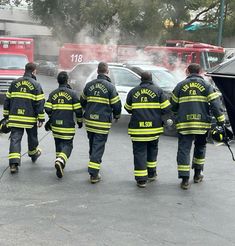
4 128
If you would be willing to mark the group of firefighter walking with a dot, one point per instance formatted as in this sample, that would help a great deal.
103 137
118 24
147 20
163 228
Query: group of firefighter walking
193 103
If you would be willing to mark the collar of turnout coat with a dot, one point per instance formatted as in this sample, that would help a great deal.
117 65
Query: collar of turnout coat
103 76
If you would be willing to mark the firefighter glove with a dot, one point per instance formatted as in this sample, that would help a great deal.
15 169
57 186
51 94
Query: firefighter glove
79 124
48 126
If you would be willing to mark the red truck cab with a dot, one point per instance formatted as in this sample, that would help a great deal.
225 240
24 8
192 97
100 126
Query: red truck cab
15 53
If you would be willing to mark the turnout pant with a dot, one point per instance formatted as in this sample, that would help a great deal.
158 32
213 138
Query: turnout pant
63 148
96 150
183 154
145 158
15 143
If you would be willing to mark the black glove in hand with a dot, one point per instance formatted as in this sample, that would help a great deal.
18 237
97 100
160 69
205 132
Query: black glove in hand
79 124
48 126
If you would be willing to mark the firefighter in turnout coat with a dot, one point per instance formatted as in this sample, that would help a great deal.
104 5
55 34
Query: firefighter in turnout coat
193 100
101 103
147 104
60 107
24 109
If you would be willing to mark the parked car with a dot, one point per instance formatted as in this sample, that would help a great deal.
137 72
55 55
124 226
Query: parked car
46 67
123 78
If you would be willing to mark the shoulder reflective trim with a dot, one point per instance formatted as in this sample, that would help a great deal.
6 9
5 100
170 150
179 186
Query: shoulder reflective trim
141 173
98 100
145 105
127 106
165 104
19 125
39 97
62 106
193 99
14 155
221 118
63 129
22 118
98 123
145 131
212 96
114 100
184 168
89 129
198 161
48 105
193 125
23 95
151 164
94 165
193 132
63 156
144 139
8 94
77 106
83 96
174 98
62 136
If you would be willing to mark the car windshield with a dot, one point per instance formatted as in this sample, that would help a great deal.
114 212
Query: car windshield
11 62
82 71
163 79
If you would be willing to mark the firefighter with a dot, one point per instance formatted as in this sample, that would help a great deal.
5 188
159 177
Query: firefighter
101 102
194 101
147 104
60 107
24 109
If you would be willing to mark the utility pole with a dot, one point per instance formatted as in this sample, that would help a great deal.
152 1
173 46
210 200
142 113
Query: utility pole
221 23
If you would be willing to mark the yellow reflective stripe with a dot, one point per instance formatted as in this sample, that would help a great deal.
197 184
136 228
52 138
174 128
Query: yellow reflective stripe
193 132
62 106
22 95
212 96
48 105
198 161
98 123
192 99
19 125
14 155
127 106
5 112
96 130
63 155
165 104
22 118
41 116
33 152
151 164
193 125
39 97
62 136
98 99
79 120
145 105
145 131
184 168
144 139
141 173
94 165
8 94
114 100
77 106
174 98
63 129
221 118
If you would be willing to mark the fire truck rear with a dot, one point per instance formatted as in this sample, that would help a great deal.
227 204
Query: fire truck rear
15 53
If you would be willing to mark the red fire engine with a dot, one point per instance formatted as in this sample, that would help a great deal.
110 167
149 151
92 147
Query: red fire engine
176 54
14 54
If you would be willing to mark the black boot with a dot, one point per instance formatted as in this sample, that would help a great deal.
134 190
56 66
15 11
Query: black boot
197 176
185 183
